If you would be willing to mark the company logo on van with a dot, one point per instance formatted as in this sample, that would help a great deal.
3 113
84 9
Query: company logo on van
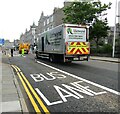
69 31
78 31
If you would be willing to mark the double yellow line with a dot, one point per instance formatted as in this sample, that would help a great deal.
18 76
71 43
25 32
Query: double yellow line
24 82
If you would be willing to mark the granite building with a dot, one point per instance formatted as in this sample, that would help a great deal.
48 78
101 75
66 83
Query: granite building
119 12
29 35
45 23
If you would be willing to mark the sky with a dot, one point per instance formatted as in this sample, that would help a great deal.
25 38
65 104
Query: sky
17 15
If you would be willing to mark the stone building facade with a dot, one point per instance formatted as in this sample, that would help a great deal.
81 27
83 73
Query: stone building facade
29 35
45 23
8 44
16 44
119 12
111 33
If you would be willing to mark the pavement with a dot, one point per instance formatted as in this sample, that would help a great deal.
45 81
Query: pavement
11 98
107 59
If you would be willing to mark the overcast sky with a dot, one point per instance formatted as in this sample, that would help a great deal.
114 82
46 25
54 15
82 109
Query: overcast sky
17 15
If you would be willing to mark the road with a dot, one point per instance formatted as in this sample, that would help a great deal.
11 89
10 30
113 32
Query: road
67 87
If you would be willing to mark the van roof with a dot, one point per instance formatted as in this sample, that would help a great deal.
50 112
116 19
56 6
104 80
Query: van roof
67 25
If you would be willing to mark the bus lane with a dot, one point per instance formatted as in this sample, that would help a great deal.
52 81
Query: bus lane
65 92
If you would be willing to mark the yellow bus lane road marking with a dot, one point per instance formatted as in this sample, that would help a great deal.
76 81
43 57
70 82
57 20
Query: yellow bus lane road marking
34 93
28 92
32 90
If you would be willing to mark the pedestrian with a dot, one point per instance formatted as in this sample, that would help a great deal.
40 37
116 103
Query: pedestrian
11 52
5 52
35 49
23 52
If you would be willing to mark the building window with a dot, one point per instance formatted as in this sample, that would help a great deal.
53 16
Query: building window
51 18
48 29
44 30
51 26
48 21
44 22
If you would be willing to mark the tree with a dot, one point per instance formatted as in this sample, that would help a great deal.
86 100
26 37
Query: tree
84 12
98 31
89 12
79 13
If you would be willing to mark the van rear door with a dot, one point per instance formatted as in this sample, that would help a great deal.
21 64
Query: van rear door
76 40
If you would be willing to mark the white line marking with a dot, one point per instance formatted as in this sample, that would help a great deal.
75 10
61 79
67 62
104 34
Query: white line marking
87 81
46 100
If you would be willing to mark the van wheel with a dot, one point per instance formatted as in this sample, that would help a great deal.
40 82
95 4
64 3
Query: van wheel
69 62
19 52
27 52
51 58
37 56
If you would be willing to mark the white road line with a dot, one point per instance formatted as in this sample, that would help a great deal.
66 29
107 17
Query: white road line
87 81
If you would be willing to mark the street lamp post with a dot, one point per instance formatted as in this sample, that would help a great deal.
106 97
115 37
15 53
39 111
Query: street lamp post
113 53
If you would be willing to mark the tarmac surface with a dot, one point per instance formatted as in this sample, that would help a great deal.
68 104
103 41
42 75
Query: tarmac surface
11 98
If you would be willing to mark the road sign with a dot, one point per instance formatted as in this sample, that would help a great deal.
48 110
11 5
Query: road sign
2 41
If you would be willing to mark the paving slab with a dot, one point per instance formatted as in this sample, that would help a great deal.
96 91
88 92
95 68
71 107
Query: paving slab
11 106
8 86
7 73
110 59
6 78
9 91
10 97
8 82
0 97
0 107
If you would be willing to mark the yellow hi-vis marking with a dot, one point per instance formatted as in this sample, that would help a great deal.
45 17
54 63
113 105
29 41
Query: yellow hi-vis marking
28 93
34 93
73 47
9 55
